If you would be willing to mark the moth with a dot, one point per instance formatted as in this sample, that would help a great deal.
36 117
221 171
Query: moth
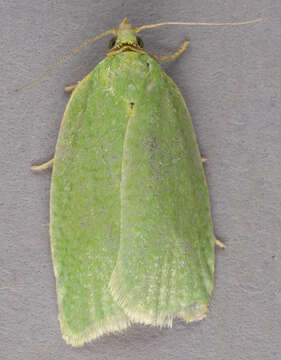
132 238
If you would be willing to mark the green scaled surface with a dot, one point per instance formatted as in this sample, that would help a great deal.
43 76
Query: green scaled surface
166 257
85 207
130 225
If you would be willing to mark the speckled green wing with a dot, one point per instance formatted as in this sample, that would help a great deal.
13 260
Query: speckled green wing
128 177
166 256
85 207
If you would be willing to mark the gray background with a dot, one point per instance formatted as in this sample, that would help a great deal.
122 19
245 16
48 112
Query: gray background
230 78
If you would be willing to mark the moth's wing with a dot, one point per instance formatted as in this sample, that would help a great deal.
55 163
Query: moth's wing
85 209
166 256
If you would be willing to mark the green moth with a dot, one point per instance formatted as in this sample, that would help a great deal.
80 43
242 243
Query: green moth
131 230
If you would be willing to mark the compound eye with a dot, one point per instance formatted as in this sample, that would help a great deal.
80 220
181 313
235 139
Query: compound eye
112 42
140 42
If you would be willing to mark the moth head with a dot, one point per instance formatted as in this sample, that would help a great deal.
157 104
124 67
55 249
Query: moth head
125 36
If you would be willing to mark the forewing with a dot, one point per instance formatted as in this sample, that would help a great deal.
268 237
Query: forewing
166 257
85 208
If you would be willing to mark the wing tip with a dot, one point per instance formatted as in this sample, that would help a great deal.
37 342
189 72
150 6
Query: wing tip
112 325
194 312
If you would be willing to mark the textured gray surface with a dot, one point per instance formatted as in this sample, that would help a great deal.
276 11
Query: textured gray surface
230 78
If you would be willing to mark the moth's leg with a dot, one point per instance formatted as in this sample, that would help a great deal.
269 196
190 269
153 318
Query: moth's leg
220 243
43 166
204 160
174 55
70 88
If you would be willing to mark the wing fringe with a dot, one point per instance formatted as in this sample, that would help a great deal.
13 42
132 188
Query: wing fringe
108 326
